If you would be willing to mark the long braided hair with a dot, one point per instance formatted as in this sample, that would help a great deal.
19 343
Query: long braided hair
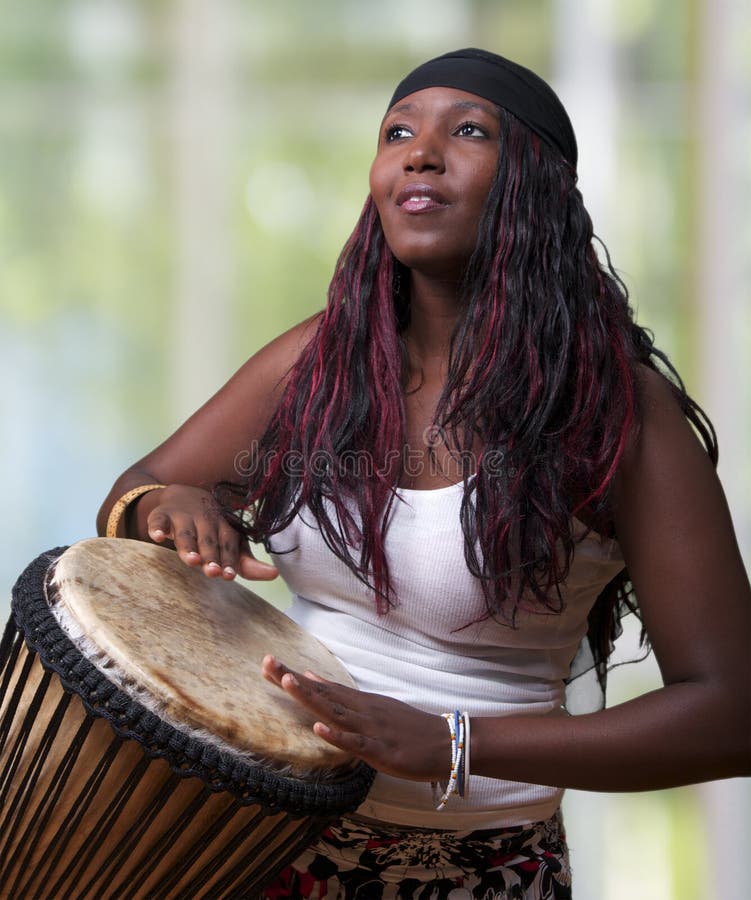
542 377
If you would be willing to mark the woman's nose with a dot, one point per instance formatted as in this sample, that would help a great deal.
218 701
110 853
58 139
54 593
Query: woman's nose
424 152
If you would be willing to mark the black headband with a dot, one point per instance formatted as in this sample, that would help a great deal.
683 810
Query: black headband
503 82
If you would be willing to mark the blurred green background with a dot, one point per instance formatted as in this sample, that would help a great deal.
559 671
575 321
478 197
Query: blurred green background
177 178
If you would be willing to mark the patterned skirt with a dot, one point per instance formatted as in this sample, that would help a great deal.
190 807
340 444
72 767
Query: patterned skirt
359 859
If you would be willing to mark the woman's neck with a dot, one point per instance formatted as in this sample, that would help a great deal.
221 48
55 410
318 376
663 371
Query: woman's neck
434 310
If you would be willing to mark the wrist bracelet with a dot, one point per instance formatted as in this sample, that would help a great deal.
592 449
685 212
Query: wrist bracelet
457 775
465 763
116 513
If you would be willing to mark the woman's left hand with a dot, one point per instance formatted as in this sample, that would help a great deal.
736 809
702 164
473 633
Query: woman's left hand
389 735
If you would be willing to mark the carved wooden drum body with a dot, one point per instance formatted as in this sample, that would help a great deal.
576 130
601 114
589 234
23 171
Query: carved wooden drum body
141 752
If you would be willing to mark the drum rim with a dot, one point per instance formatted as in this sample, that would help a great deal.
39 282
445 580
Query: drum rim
216 768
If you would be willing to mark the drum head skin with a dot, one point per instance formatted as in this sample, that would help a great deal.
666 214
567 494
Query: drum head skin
194 645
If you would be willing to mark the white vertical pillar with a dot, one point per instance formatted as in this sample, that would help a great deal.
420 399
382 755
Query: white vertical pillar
202 111
724 198
584 76
724 331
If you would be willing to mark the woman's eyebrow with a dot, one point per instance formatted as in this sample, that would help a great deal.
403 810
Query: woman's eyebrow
473 105
401 108
461 105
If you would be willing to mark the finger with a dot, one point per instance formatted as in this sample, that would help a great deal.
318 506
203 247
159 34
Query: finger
208 546
329 703
312 676
272 669
217 544
356 744
371 750
159 526
185 539
230 544
334 702
317 686
314 700
313 694
255 570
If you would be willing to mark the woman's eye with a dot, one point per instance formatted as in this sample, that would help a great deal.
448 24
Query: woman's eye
396 132
471 129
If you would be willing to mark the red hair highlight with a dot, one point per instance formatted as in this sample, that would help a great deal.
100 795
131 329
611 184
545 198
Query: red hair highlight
543 374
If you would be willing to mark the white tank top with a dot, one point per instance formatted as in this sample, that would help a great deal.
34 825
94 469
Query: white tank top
424 652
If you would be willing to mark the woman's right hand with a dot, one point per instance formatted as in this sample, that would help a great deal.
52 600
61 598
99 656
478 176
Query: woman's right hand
191 519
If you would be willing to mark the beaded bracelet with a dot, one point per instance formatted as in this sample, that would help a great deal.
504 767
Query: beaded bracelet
113 520
458 724
464 791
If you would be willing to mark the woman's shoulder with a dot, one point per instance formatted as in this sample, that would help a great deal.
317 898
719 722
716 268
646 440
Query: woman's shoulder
273 363
664 461
205 449
260 381
661 426
655 389
666 491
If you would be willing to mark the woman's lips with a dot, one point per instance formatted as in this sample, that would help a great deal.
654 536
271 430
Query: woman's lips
418 198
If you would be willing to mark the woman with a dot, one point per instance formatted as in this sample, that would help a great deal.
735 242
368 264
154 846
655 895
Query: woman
462 466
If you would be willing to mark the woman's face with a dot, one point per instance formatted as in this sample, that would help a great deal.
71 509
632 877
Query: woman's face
436 161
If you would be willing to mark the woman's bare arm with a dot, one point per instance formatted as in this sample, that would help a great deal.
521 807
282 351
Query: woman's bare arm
676 535
675 531
211 446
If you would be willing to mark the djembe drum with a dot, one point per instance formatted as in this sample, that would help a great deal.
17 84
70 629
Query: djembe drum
141 752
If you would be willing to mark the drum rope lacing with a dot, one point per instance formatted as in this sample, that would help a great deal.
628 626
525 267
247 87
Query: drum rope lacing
216 768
